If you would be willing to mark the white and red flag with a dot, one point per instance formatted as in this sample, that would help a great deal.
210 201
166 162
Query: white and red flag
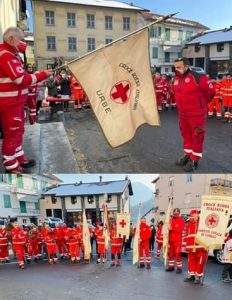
118 82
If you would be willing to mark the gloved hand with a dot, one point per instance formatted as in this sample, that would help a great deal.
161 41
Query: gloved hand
32 116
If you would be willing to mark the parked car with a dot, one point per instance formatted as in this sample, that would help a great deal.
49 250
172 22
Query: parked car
2 222
53 222
198 70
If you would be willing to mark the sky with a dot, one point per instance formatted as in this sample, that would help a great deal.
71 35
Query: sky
212 13
143 178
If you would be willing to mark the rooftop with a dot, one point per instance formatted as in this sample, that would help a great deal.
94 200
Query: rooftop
149 16
93 188
102 3
213 37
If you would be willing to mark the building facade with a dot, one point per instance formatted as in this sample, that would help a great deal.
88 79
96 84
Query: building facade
69 29
187 189
211 51
168 38
68 201
12 13
20 194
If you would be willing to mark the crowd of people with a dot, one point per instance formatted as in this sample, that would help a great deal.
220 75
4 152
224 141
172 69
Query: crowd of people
62 242
220 106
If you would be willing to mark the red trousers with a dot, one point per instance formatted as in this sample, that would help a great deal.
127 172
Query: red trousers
196 262
144 252
174 255
51 248
61 247
12 124
158 249
34 249
4 253
192 129
19 250
215 105
73 250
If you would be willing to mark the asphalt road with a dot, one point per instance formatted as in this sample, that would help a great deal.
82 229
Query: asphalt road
40 281
153 150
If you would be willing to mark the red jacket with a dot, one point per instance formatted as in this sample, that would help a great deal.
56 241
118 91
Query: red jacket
3 237
176 229
159 234
191 232
192 92
116 242
145 232
14 80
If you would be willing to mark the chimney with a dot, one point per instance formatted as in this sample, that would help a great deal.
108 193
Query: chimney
100 178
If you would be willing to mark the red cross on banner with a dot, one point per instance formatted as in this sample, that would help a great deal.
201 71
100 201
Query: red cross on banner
123 224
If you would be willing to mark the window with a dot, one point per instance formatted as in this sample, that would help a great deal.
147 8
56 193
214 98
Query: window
90 199
167 57
197 48
189 34
71 19
159 31
126 23
166 70
90 21
54 200
9 178
220 47
167 34
20 181
91 45
108 41
73 199
1 178
72 44
179 54
50 17
108 22
35 184
155 51
37 205
7 201
51 43
48 212
180 35
23 208
109 198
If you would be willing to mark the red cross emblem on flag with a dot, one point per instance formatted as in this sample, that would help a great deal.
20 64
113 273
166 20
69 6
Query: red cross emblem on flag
122 223
212 220
120 93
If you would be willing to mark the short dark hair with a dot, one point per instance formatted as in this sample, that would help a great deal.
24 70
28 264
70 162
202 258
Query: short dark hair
185 60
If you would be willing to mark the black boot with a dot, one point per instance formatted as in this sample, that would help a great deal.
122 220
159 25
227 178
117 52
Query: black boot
182 161
189 279
178 271
170 269
191 166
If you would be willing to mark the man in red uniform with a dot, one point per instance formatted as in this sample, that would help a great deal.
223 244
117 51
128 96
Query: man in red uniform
33 244
4 251
160 90
100 240
50 243
116 246
159 238
31 99
144 244
19 244
197 255
176 228
14 82
72 243
193 92
226 93
60 232
216 104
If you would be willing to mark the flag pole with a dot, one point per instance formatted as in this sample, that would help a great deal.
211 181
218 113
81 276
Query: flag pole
159 20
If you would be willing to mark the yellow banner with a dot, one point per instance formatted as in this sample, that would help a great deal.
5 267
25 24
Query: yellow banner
214 218
86 238
166 227
119 85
